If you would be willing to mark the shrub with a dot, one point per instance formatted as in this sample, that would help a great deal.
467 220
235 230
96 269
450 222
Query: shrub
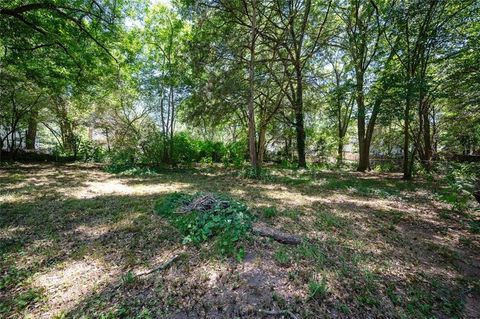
460 178
253 173
91 152
227 221
185 149
235 154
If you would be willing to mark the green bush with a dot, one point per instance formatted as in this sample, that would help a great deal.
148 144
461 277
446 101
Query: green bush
90 151
227 225
253 173
235 154
460 178
185 149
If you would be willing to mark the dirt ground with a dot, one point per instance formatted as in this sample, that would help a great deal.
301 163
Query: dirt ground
77 242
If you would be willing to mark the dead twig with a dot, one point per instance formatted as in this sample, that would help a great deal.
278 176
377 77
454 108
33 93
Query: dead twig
163 266
205 203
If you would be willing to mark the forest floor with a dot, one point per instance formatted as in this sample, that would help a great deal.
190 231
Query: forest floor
75 241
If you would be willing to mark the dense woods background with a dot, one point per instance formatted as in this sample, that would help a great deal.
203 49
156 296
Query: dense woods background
392 85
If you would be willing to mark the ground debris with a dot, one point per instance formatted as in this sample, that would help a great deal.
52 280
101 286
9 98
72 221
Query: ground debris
204 202
278 313
277 235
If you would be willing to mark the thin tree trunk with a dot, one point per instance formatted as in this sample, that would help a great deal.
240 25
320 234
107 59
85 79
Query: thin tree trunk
363 149
31 135
407 173
340 152
251 97
261 145
299 122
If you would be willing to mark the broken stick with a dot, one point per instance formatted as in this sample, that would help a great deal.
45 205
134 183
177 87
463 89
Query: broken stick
281 237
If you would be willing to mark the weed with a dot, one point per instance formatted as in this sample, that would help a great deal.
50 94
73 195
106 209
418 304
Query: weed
128 279
270 212
317 289
256 173
475 226
311 252
25 298
292 214
328 221
282 257
343 308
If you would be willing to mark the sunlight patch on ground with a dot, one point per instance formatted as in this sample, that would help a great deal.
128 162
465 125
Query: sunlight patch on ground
67 284
120 187
92 232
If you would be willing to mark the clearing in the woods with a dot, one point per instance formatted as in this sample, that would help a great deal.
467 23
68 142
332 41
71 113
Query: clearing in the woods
76 241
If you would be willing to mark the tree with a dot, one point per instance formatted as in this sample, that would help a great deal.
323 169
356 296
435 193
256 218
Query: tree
360 37
417 31
300 27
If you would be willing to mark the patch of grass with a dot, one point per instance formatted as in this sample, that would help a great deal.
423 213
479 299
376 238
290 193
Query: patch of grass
292 214
25 298
256 174
344 308
392 294
311 253
282 257
270 212
128 279
129 170
475 226
317 289
327 221
12 277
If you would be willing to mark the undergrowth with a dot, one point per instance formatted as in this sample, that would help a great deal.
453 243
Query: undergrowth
227 225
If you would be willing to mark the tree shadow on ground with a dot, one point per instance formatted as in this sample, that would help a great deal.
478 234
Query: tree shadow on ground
373 258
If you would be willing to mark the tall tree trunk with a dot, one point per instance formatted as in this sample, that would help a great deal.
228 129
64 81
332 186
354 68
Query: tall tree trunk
31 135
427 139
261 145
299 121
252 149
407 173
340 151
363 145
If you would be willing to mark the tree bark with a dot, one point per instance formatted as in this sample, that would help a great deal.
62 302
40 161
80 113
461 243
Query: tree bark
407 173
363 146
340 151
251 96
31 135
261 145
299 122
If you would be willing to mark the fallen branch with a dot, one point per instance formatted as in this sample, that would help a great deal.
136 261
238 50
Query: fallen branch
163 266
277 313
276 235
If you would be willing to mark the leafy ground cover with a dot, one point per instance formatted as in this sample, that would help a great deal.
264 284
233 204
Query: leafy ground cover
79 242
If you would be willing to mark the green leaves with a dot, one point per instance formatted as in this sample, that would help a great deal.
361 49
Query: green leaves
227 222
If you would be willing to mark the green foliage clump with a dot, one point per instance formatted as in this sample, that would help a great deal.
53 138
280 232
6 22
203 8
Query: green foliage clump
460 178
227 222
153 149
250 172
